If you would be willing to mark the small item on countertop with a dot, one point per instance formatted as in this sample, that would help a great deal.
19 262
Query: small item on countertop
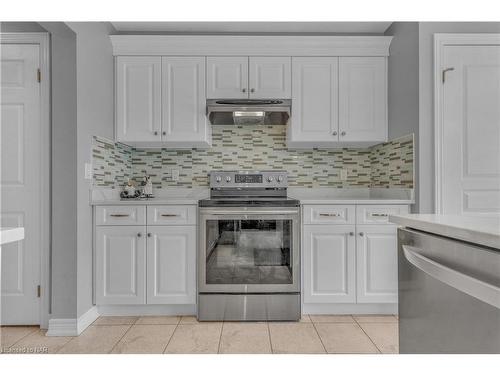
130 192
130 188
147 187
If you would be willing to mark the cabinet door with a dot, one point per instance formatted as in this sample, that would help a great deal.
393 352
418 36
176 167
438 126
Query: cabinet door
227 77
314 119
184 122
138 98
377 263
171 265
362 99
120 265
270 77
329 264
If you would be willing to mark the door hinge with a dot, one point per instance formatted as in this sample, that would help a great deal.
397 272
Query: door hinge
39 75
38 291
443 77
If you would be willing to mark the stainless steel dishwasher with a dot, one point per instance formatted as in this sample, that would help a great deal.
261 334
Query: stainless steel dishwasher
449 295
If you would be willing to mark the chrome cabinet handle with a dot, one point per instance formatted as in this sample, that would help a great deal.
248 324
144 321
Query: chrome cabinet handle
476 288
164 133
119 215
329 215
155 133
149 234
361 234
335 132
169 215
139 234
252 90
244 90
343 133
374 214
351 233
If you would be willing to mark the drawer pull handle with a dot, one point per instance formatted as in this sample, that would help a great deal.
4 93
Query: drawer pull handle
169 215
119 215
379 215
329 215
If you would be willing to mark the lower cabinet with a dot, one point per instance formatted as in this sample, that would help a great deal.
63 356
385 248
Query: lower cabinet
377 264
171 265
329 264
120 265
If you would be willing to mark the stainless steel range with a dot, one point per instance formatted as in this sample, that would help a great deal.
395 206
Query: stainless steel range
249 259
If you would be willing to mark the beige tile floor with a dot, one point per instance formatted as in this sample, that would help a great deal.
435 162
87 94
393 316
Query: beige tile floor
314 334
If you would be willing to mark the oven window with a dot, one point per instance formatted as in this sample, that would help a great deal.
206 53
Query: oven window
249 252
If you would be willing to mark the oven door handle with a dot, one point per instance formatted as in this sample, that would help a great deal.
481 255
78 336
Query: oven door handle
479 289
228 213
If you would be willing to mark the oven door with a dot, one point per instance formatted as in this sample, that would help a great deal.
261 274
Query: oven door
253 250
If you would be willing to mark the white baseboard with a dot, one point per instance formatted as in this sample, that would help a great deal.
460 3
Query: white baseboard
72 327
126 310
350 308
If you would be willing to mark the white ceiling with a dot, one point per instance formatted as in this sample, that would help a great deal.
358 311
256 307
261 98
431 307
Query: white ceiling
253 27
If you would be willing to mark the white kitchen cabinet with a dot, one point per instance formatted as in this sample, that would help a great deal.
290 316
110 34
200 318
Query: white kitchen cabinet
270 77
362 107
184 122
314 120
138 98
227 77
329 268
120 265
377 264
171 265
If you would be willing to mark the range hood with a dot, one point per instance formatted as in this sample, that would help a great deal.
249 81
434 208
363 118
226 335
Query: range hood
248 111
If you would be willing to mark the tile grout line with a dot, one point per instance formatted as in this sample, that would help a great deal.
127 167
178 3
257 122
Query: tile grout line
320 339
220 337
121 338
23 337
367 335
269 334
172 335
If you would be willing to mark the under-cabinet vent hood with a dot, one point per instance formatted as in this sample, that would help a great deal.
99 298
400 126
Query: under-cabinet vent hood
248 111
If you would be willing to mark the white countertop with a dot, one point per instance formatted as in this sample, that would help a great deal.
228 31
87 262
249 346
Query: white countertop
480 230
105 196
8 235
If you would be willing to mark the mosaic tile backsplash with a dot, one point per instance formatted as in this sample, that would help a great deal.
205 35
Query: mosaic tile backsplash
256 148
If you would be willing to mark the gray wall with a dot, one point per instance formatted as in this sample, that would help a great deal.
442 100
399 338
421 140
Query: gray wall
95 117
403 86
426 99
64 182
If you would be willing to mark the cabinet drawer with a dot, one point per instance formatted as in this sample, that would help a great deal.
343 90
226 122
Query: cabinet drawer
120 215
172 215
334 214
378 214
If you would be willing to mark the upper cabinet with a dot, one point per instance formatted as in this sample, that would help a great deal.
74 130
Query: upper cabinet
160 101
138 98
262 77
362 99
338 101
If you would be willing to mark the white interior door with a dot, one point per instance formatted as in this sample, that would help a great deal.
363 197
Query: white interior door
470 141
20 183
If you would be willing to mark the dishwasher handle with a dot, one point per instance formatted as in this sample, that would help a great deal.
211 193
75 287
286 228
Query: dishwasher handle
479 289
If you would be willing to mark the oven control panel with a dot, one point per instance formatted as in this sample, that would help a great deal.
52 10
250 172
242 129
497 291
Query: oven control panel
232 179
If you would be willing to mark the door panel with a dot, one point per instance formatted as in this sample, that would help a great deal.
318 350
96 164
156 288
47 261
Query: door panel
138 98
362 99
227 77
20 182
329 264
377 264
270 77
471 131
171 265
183 101
120 265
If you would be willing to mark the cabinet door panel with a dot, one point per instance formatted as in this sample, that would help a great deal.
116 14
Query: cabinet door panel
227 77
120 265
329 264
138 98
183 102
315 100
377 264
362 99
171 265
270 77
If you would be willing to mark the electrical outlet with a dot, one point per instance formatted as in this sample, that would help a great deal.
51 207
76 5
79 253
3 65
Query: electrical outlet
88 171
175 175
343 174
